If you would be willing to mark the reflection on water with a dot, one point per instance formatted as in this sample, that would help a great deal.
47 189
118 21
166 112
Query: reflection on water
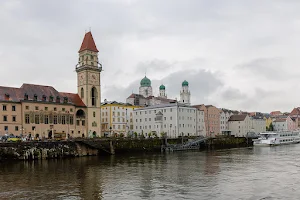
249 173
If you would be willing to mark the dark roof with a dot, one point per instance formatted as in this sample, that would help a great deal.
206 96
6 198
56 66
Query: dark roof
88 43
18 94
280 120
237 117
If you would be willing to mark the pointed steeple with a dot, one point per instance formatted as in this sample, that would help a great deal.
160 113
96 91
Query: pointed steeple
88 43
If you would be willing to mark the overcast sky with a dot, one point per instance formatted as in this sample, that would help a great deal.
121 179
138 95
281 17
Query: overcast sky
236 54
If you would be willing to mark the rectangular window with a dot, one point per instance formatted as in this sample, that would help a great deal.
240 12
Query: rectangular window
94 114
27 119
71 109
71 120
16 128
36 108
83 123
46 108
63 119
27 107
46 119
4 107
6 128
33 128
5 118
77 122
55 119
13 108
36 119
63 109
119 127
13 118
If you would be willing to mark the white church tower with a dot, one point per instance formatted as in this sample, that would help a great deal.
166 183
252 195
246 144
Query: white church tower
162 91
185 95
145 87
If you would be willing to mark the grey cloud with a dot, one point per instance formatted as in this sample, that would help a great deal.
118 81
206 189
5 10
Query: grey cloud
271 68
39 41
232 94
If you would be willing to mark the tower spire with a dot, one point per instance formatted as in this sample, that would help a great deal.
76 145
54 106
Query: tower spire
88 43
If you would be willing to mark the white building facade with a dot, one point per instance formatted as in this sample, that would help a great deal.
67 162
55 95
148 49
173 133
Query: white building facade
172 120
224 117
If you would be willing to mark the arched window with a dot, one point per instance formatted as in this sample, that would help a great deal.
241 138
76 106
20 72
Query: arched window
94 96
82 93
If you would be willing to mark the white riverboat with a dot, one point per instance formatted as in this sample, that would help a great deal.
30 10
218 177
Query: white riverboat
277 138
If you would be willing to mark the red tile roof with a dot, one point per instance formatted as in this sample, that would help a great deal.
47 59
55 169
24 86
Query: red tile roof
18 94
88 43
73 98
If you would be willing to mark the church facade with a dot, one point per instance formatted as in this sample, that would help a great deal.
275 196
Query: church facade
42 111
146 97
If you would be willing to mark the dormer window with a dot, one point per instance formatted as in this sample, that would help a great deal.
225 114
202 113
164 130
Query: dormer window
51 98
57 99
25 96
6 96
35 97
65 99
44 98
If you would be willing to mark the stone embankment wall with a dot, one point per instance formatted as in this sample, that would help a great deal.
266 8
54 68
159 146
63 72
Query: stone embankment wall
89 147
43 150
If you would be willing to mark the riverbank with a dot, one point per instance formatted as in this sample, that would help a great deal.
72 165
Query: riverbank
93 147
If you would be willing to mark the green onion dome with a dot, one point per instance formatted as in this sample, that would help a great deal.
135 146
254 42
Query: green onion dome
145 82
185 83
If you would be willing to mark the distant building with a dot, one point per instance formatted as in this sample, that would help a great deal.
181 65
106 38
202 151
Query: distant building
146 97
275 113
243 125
117 118
211 118
284 123
240 125
224 117
171 119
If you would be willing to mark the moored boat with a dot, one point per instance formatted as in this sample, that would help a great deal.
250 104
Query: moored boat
277 138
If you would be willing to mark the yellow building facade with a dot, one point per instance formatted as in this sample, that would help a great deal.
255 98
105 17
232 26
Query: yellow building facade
117 118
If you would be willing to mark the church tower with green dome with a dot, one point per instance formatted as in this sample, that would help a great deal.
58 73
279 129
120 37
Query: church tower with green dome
145 87
185 95
162 91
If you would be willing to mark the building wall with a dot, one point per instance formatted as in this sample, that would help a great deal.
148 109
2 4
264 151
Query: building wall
259 125
201 130
38 118
176 120
280 126
224 117
10 121
240 128
117 116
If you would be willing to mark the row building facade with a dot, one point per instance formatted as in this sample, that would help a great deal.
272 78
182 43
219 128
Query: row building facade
42 111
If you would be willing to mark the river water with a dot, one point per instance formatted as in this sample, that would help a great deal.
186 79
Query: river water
245 173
